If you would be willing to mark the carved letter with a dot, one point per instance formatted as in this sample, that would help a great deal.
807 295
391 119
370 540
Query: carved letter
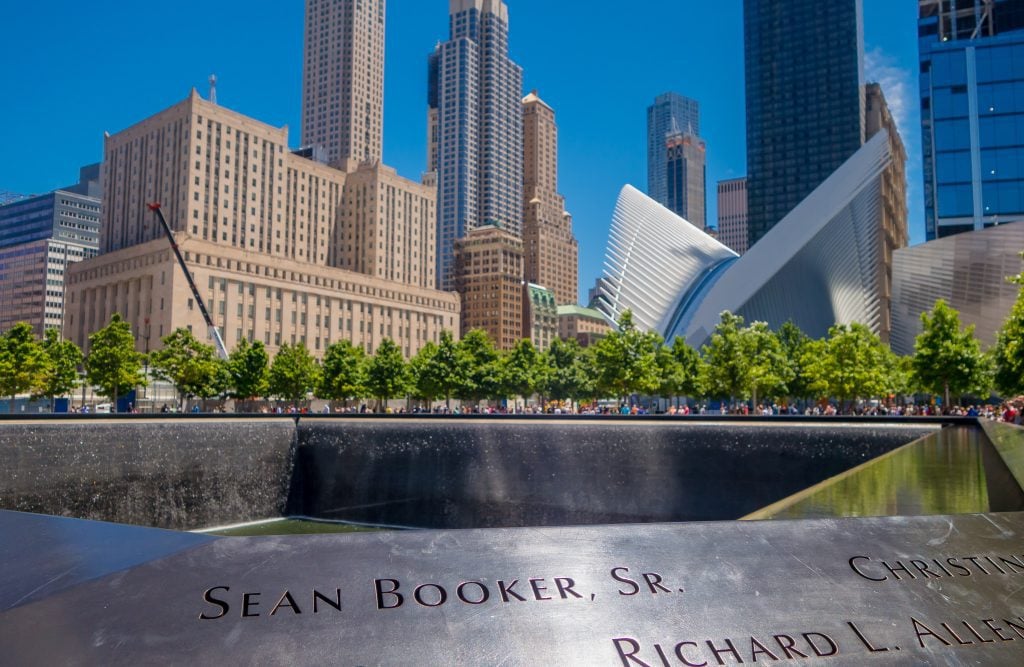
224 606
634 649
625 580
853 566
393 592
286 601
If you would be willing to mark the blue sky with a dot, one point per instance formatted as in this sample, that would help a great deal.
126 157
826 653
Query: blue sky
73 70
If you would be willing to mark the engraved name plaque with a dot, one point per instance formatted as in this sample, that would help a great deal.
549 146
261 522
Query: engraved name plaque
922 590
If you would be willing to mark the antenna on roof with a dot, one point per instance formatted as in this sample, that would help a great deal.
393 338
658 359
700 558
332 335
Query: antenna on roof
213 88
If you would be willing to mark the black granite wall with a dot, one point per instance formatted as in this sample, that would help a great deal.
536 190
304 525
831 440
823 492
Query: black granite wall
167 474
499 473
439 473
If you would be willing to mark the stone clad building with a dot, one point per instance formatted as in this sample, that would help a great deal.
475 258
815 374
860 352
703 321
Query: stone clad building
489 278
271 236
552 252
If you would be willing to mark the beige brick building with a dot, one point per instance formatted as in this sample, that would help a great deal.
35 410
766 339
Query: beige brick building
258 219
894 200
343 80
251 296
551 250
388 227
584 324
489 278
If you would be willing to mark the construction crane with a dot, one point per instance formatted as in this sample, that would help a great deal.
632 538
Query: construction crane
222 351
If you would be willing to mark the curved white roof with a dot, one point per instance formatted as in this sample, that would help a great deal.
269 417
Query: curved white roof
653 258
818 266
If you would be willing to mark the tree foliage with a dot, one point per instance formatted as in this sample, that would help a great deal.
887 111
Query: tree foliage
343 375
483 367
1008 353
727 367
851 363
294 373
795 345
948 360
523 371
627 361
23 362
443 371
569 376
191 366
63 359
249 370
113 365
386 374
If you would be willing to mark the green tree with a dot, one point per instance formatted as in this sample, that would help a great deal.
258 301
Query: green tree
948 360
112 364
387 375
627 360
249 370
770 371
794 347
1008 353
445 371
419 386
726 365
294 373
523 370
24 364
852 363
64 358
692 365
568 376
483 379
343 375
671 375
191 366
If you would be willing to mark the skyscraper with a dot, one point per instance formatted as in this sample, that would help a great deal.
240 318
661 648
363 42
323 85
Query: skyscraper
685 170
40 238
805 99
670 114
552 252
343 80
475 98
972 113
732 214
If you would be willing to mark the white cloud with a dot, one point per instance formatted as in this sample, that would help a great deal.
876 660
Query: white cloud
899 85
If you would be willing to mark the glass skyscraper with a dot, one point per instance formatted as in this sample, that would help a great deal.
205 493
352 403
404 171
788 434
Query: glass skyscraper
475 128
972 113
671 114
805 100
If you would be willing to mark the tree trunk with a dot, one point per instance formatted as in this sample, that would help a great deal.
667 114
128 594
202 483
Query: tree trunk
945 398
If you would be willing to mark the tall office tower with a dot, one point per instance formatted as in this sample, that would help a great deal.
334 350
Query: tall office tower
343 80
476 129
552 252
258 227
732 214
894 234
972 113
488 276
685 171
40 237
805 99
670 114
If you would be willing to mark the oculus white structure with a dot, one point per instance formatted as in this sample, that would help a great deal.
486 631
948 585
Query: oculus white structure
819 266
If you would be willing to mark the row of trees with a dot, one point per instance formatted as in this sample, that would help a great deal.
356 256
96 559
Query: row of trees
740 362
